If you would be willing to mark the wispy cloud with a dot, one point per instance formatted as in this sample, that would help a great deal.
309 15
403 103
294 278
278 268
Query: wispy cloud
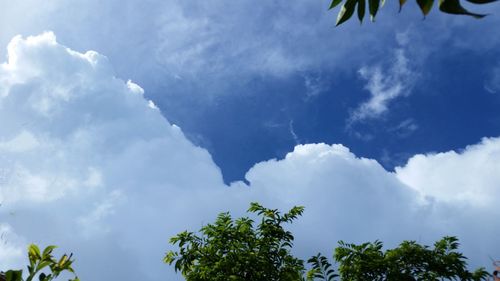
405 128
384 85
292 132
492 83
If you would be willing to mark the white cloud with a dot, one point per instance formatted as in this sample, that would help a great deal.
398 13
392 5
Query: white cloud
109 179
86 159
356 199
492 84
22 142
471 176
212 46
384 86
12 252
405 128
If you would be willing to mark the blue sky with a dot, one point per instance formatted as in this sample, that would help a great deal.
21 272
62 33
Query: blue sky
160 114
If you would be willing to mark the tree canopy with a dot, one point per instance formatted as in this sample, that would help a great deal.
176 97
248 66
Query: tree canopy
240 250
408 261
236 249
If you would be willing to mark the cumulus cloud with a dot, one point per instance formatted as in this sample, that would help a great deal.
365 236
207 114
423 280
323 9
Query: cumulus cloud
356 199
470 176
84 156
87 163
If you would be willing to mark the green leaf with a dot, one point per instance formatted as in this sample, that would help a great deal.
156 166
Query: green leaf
425 6
334 4
346 11
42 264
482 1
48 250
14 275
361 10
34 252
374 5
454 7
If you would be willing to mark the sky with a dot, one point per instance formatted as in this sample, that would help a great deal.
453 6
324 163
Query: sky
123 123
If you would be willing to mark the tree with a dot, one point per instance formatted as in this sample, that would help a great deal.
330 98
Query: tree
410 261
39 261
446 6
237 250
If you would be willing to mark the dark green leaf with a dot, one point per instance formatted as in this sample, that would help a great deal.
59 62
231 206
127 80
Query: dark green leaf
361 10
14 275
454 7
374 5
334 4
482 1
346 11
425 6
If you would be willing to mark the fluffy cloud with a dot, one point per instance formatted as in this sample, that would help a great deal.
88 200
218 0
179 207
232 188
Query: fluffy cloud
356 199
84 156
470 176
86 162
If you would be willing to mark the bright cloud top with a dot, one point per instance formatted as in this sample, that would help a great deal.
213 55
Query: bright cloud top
89 164
471 176
79 148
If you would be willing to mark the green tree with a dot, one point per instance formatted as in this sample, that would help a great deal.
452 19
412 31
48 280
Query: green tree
236 249
447 6
40 261
409 261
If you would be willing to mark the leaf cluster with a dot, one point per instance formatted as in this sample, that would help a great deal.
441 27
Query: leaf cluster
237 249
409 261
39 263
447 6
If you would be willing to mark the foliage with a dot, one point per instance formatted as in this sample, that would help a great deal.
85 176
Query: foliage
40 260
321 269
409 261
446 6
237 250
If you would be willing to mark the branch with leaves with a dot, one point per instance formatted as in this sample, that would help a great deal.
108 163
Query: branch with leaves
237 249
39 263
447 6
